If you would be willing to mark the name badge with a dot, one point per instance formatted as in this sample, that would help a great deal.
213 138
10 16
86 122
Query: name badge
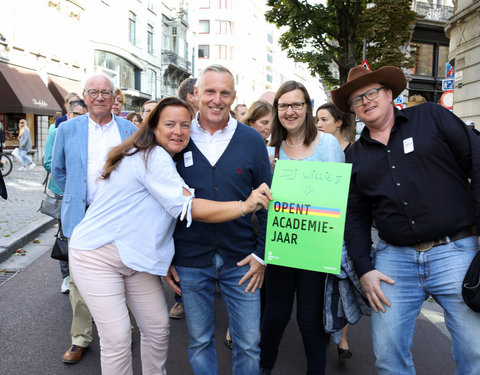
188 159
408 145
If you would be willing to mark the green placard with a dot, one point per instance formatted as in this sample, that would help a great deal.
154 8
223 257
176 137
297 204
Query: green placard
306 218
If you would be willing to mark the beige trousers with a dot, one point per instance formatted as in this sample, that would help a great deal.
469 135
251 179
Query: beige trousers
81 329
108 286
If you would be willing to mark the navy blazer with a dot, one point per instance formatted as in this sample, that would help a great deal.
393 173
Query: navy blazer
69 166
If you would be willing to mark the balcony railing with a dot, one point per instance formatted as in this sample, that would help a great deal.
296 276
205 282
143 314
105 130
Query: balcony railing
432 12
169 57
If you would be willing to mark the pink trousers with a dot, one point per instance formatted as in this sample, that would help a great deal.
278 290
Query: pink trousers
108 286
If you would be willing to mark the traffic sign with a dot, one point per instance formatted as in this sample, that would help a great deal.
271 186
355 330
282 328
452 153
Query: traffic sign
398 99
366 65
446 99
449 70
447 84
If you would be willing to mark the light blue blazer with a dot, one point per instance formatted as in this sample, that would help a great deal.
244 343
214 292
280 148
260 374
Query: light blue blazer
69 166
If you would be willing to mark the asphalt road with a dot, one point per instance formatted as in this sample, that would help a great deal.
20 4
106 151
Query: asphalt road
35 324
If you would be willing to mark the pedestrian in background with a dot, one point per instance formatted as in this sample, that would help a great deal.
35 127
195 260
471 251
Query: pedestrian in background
259 117
79 153
295 137
69 98
76 108
147 107
268 96
240 110
118 102
2 137
185 92
341 125
24 145
416 172
135 119
3 188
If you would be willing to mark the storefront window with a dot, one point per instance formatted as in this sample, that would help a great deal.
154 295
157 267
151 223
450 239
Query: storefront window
442 60
152 83
10 127
423 55
122 72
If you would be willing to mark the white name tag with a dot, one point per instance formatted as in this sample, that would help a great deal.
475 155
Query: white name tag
188 159
408 145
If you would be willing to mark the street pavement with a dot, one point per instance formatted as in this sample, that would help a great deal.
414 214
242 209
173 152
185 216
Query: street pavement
35 316
20 220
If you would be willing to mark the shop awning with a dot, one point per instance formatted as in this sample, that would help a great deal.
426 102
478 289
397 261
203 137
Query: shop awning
23 91
60 87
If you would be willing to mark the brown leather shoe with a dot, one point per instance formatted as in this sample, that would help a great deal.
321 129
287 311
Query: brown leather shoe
73 354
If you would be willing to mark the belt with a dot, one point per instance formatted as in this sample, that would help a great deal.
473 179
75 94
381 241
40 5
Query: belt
427 245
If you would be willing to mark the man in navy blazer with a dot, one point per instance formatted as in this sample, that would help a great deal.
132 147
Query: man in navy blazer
79 153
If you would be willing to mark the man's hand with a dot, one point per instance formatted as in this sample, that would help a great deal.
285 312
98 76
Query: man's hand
255 273
172 279
371 287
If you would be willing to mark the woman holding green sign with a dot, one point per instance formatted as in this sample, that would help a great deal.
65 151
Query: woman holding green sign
295 137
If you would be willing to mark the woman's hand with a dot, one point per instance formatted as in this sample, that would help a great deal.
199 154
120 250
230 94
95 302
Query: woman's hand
260 197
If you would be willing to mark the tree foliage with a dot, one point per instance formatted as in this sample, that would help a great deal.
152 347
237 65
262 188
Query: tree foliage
333 34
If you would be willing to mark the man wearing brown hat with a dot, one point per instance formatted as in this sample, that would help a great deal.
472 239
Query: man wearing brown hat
415 172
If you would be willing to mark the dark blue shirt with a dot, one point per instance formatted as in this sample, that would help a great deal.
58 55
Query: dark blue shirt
415 194
242 167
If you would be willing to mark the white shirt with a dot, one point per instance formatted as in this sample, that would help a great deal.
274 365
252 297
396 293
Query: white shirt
213 146
100 140
137 209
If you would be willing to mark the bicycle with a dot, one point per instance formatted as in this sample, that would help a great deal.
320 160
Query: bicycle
6 164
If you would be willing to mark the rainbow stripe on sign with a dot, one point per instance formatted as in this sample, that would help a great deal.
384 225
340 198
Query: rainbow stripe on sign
305 209
323 211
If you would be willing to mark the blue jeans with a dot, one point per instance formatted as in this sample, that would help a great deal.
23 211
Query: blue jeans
25 159
438 272
198 296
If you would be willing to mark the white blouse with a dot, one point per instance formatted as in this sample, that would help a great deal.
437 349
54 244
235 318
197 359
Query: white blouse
137 209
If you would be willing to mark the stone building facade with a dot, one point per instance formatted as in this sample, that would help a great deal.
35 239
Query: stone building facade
463 30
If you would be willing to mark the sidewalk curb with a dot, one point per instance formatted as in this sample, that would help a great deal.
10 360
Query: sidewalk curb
8 245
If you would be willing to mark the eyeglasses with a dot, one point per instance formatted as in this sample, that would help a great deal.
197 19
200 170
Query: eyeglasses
370 95
295 106
76 114
93 93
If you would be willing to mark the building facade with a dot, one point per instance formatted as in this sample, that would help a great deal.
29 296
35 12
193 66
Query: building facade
234 33
463 29
429 48
147 47
40 62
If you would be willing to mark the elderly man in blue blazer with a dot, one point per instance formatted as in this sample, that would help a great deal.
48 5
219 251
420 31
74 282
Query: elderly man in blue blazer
79 153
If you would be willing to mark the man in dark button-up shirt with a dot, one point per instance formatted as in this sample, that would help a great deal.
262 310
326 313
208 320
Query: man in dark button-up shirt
415 172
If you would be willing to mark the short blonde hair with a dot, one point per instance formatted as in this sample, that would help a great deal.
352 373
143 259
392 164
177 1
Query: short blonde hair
120 92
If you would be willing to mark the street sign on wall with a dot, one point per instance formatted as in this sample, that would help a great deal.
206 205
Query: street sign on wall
449 70
447 84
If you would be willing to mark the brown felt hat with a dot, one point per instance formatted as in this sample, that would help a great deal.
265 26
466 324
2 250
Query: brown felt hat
389 76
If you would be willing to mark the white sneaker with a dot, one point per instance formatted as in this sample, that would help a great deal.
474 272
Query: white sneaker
22 169
65 289
32 165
